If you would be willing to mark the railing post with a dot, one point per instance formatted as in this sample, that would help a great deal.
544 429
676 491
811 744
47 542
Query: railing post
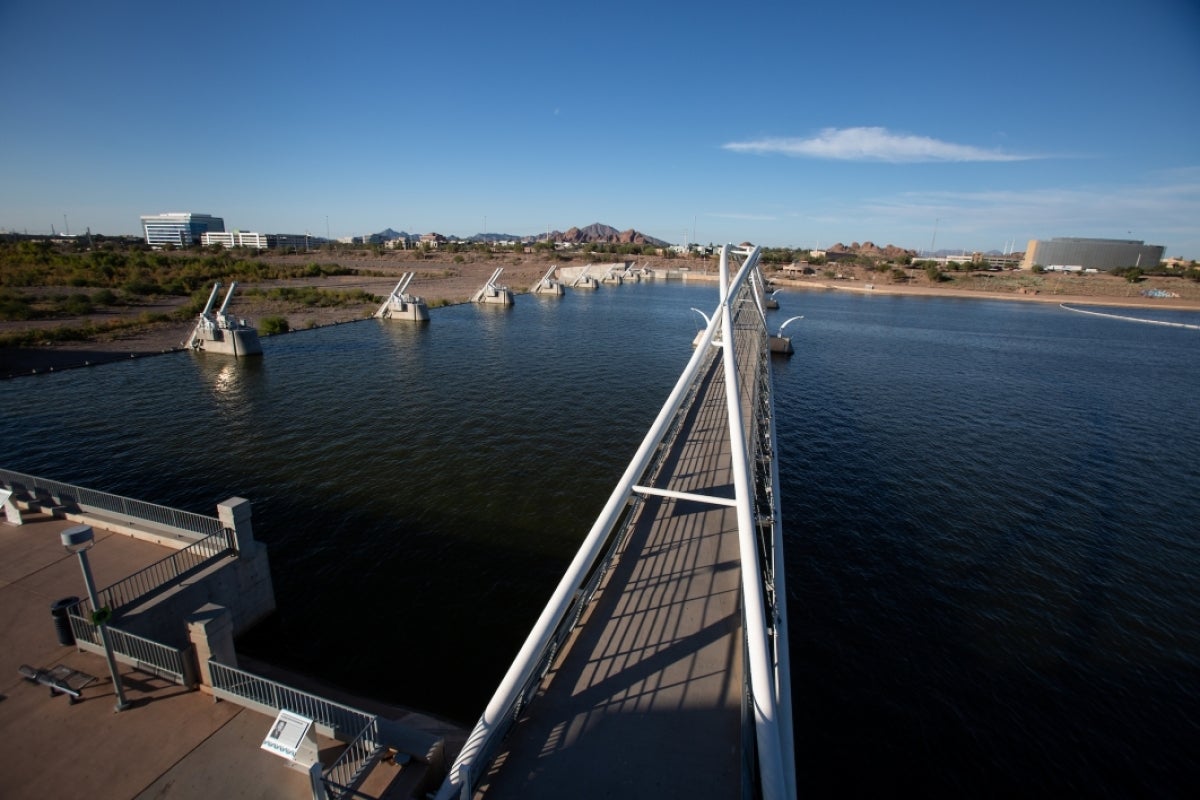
317 780
234 514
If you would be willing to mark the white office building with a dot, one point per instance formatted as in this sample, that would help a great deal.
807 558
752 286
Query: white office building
235 239
258 241
179 229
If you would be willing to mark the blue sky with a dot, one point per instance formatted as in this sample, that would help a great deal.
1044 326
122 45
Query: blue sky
949 124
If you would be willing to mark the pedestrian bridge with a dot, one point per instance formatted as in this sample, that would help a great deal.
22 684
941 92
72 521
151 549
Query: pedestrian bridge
659 667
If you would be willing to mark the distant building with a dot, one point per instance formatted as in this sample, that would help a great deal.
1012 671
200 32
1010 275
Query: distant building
1098 254
235 239
300 241
179 229
258 241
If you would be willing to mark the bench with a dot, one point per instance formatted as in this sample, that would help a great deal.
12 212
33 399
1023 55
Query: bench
58 679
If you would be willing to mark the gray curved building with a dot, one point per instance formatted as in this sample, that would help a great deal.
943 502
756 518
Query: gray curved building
1102 254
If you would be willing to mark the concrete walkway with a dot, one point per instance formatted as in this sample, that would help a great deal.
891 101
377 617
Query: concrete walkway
171 743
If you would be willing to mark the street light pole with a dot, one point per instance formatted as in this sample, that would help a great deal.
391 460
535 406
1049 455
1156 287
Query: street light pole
78 540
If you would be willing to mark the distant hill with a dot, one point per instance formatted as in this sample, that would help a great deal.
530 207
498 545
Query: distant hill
606 234
889 251
594 233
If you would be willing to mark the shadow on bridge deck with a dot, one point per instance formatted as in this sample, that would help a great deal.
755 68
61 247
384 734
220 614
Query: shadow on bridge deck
645 700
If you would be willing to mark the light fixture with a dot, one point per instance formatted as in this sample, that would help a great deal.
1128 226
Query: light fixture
78 540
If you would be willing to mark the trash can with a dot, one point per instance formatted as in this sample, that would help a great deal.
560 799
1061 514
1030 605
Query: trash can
62 623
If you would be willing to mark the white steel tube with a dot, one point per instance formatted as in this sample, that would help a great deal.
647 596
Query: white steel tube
405 280
212 297
762 684
228 297
698 498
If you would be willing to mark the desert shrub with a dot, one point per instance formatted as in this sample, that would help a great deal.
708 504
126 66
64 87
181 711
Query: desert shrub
77 305
273 325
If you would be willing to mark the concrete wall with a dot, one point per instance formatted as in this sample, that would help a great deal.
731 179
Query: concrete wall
242 585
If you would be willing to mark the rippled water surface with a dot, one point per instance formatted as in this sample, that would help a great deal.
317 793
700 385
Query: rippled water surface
990 511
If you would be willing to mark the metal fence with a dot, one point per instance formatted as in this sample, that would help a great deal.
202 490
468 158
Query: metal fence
345 774
245 688
358 728
70 496
165 573
173 663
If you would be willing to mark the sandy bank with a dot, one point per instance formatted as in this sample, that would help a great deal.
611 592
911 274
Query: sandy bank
861 287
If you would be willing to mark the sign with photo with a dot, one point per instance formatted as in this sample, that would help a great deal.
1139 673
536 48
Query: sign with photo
286 734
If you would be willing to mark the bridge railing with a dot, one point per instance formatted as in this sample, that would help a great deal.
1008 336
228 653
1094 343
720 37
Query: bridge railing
70 496
176 664
737 310
345 774
751 431
163 574
358 728
333 719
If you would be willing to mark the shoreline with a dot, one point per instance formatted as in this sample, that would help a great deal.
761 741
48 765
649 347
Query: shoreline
23 362
1166 304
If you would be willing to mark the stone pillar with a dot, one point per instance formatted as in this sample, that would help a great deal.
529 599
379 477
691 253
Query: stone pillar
234 514
210 629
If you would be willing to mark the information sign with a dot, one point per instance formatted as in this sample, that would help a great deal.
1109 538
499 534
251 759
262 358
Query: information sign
287 734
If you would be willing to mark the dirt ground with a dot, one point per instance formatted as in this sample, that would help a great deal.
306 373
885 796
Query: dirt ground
443 281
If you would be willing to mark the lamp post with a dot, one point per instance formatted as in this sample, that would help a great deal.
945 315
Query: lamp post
78 540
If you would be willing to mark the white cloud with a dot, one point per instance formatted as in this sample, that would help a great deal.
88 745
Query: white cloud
871 144
1156 212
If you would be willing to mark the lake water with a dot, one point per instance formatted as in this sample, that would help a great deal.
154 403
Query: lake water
990 512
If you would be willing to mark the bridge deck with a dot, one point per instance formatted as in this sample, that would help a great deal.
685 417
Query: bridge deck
645 700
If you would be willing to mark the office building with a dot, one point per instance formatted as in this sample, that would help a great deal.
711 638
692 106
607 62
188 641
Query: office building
258 241
179 229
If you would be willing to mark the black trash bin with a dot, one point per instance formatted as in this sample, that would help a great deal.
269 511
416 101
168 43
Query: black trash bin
62 623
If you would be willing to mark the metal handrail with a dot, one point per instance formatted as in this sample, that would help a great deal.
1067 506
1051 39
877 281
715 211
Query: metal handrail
344 775
759 619
165 572
85 499
145 654
338 721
